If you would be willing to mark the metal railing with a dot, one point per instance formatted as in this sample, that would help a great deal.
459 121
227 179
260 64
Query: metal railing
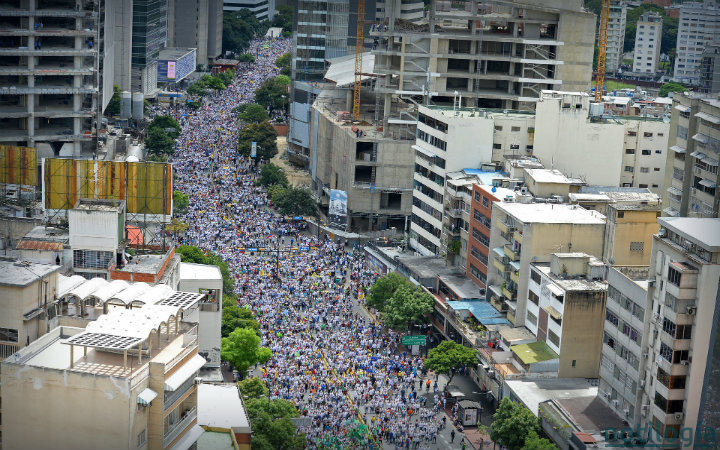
179 427
172 396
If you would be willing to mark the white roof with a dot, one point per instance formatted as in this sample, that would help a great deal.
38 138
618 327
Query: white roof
192 271
155 294
128 295
189 438
551 176
84 290
498 191
106 292
551 213
663 100
703 231
67 284
220 405
342 69
138 322
183 373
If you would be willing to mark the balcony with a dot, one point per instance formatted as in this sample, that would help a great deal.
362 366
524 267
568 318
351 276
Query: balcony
517 235
504 227
507 293
187 419
499 265
514 255
454 212
515 276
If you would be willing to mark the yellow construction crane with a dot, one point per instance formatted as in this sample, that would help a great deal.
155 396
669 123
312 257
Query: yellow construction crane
359 40
602 50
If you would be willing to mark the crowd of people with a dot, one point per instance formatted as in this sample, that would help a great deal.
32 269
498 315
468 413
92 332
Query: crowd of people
344 371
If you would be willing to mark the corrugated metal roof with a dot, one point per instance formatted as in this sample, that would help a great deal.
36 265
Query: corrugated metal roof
40 245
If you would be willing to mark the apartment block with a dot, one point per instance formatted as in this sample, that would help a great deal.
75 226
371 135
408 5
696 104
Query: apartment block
683 298
699 25
691 173
132 368
566 304
50 73
525 233
599 149
710 68
615 36
647 43
196 24
262 9
410 10
493 54
623 356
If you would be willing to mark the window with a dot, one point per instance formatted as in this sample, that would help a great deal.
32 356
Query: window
612 318
535 276
532 318
644 169
629 151
658 152
552 337
485 202
674 276
638 246
533 297
515 129
669 327
497 146
574 362
142 437
646 152
8 334
683 332
498 127
629 169
656 169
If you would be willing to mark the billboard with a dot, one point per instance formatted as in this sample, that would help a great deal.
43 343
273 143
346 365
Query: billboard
146 187
18 165
171 70
337 209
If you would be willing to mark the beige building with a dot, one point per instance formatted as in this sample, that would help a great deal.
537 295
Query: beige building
647 43
691 174
565 309
616 35
525 233
551 184
126 381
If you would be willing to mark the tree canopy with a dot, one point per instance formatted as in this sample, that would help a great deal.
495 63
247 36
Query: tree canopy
113 106
242 349
667 88
246 57
284 18
252 388
383 289
284 63
291 201
449 356
264 134
273 93
180 202
253 113
211 82
235 316
512 424
408 305
534 442
159 143
239 28
270 175
164 123
271 425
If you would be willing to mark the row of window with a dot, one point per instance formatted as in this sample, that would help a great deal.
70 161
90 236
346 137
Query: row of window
477 273
432 140
425 225
627 304
433 123
622 351
631 151
482 218
481 238
677 331
624 327
675 357
477 254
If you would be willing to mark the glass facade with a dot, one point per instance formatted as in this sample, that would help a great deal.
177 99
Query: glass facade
149 31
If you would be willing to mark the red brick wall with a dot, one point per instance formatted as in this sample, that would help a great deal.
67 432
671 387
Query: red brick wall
476 204
282 130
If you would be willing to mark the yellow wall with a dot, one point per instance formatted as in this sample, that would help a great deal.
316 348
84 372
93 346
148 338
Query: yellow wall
636 226
583 321
18 165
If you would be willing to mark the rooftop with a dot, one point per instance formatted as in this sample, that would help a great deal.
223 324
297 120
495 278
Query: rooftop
576 283
174 53
50 234
481 310
27 244
88 204
514 334
143 264
480 113
551 213
703 231
220 406
23 273
534 352
498 192
461 285
551 176
342 69
192 271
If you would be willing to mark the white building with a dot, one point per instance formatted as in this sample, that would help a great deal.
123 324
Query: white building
262 9
97 229
204 279
647 43
411 10
699 25
615 36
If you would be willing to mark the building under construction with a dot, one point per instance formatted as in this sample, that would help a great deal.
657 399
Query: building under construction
50 73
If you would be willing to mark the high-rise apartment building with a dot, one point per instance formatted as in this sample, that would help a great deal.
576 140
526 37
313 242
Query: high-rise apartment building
699 25
616 36
50 73
196 24
262 9
494 54
647 43
691 173
410 10
710 68
683 306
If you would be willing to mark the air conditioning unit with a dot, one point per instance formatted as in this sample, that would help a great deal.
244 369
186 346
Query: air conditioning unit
608 394
685 362
642 383
656 317
616 403
645 355
679 416
627 413
691 309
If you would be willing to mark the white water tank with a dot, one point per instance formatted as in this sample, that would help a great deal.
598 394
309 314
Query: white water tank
138 103
125 105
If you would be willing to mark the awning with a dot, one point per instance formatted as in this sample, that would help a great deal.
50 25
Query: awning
672 190
670 211
183 373
553 312
499 251
710 162
677 149
425 152
557 292
146 396
708 117
189 438
682 108
515 265
707 183
701 138
698 155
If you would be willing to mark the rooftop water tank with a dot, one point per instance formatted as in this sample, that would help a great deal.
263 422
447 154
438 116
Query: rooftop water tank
138 103
125 105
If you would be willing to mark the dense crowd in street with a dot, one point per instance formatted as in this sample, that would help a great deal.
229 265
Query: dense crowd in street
345 372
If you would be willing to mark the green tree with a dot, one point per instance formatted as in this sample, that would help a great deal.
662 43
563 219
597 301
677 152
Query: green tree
180 202
448 357
293 201
273 93
264 134
190 254
284 18
246 57
271 425
235 316
270 174
283 80
252 388
165 123
113 107
383 289
284 63
512 424
408 305
667 88
226 77
242 349
159 142
254 113
534 442
239 27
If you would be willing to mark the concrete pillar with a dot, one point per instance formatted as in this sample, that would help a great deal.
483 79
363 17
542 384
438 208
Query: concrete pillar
72 356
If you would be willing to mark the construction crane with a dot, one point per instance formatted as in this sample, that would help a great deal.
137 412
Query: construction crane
359 40
602 50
